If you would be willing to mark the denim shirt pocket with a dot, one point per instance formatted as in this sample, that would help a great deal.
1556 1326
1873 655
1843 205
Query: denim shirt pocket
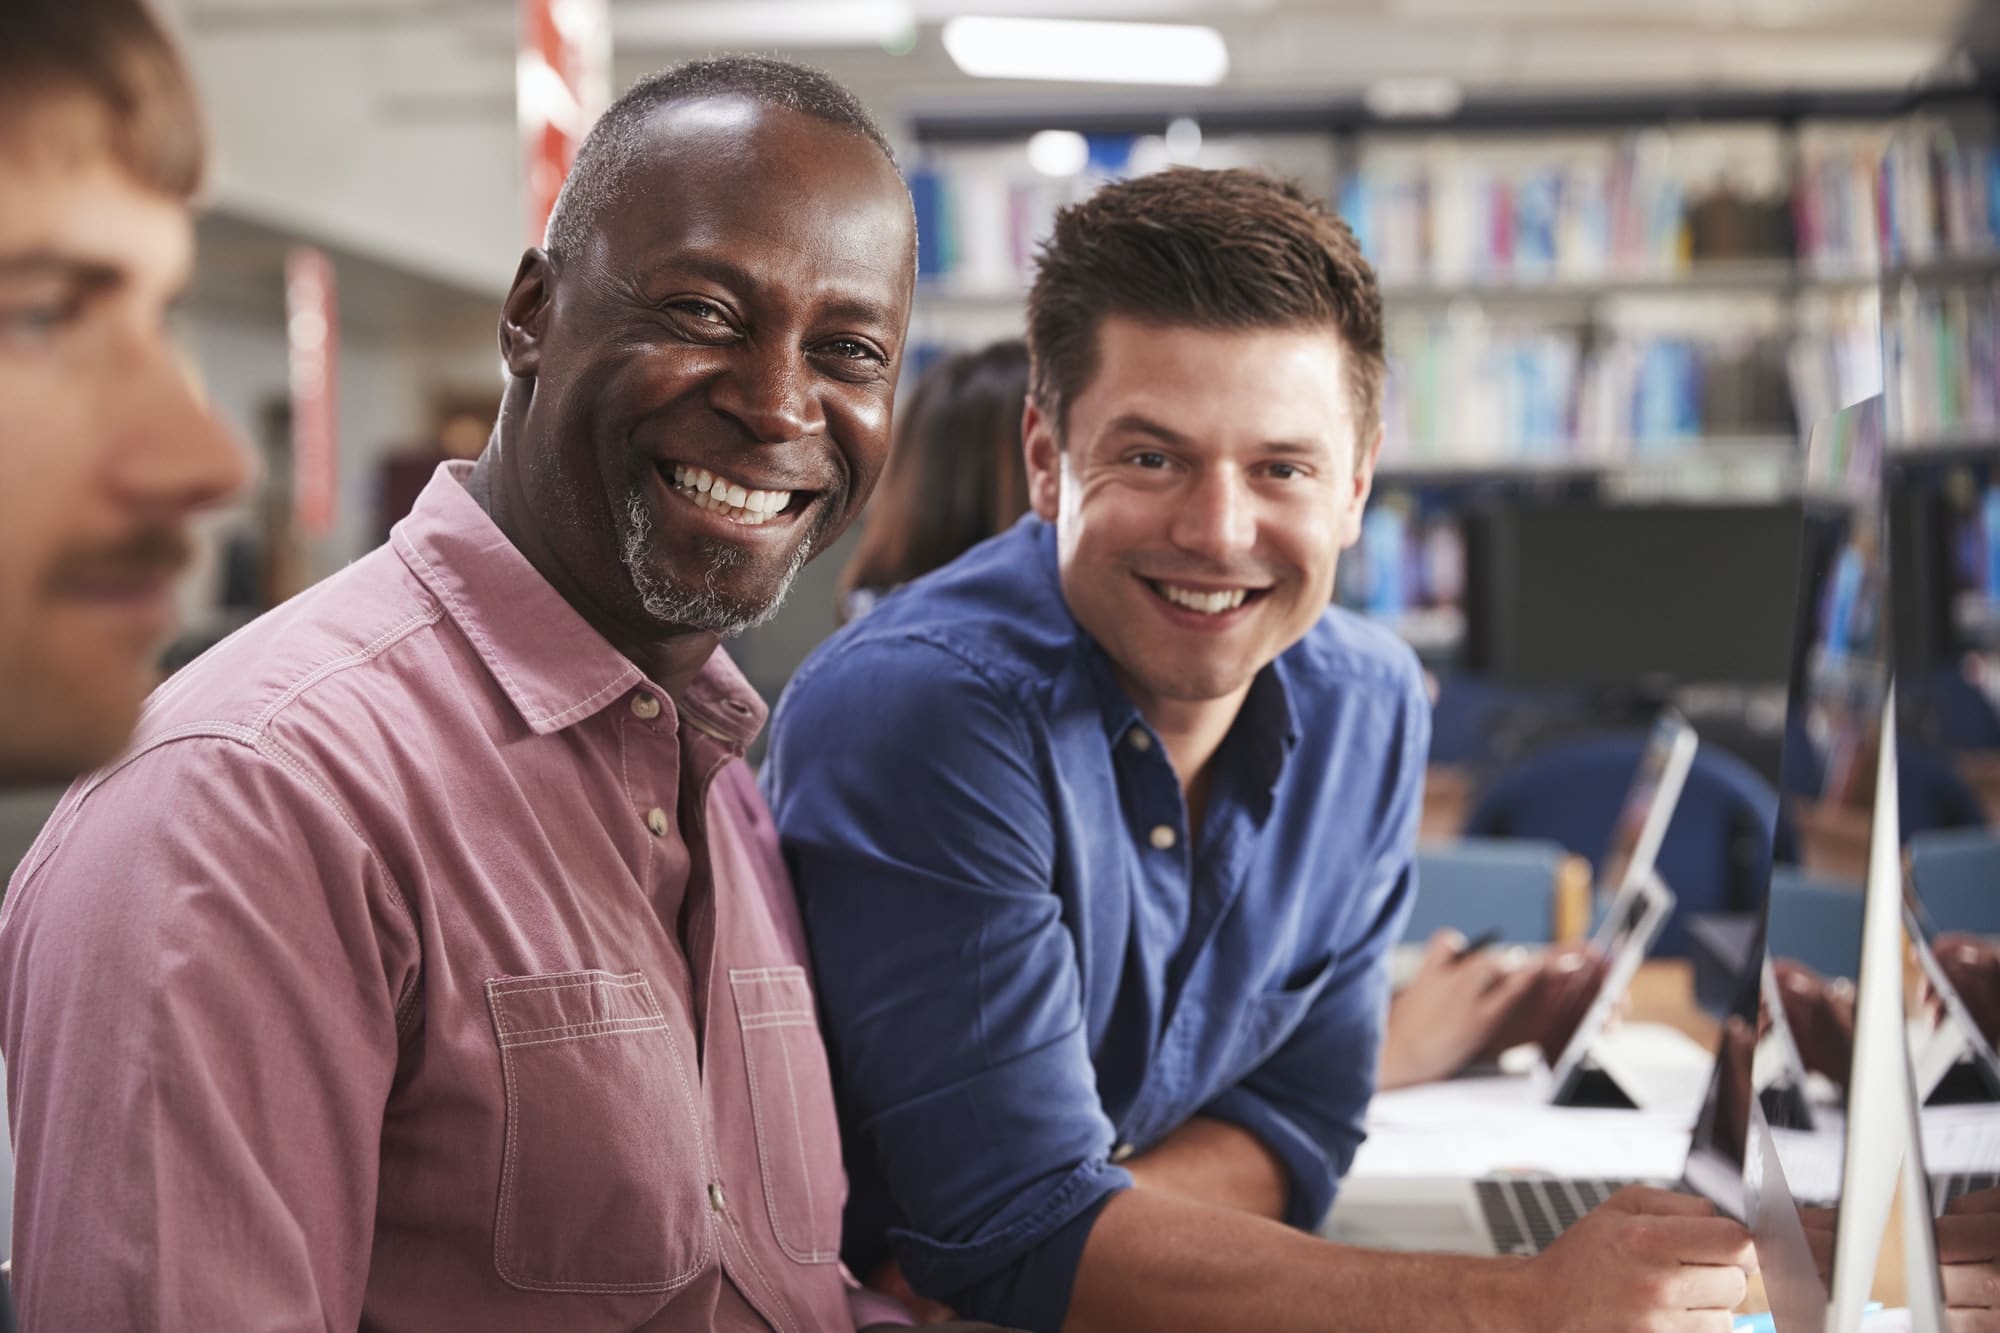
1269 1021
602 1178
798 1136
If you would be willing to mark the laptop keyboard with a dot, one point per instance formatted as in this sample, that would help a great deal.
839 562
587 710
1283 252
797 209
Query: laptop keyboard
1525 1214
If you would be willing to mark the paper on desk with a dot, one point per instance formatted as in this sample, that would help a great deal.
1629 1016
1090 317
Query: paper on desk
1637 1148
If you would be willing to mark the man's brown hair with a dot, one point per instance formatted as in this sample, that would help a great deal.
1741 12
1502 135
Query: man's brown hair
115 54
1224 250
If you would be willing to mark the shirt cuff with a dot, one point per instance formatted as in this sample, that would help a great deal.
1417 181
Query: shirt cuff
872 1307
1313 1180
1021 1275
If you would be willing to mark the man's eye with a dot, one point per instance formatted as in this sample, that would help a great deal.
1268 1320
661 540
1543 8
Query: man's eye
37 323
1152 460
708 312
853 349
1285 471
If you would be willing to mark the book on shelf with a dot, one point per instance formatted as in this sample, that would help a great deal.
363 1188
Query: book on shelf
1941 364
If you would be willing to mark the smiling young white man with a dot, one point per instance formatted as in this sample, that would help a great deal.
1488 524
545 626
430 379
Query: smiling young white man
1103 833
427 961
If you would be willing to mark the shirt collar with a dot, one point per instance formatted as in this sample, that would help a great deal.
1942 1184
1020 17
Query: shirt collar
548 660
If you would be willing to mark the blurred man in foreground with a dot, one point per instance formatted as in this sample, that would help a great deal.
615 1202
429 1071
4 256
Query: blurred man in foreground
106 450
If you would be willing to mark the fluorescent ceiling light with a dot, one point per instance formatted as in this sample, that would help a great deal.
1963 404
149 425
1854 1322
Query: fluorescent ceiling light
787 23
1411 97
1058 152
1083 52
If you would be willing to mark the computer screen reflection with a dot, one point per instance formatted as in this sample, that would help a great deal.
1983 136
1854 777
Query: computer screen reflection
1803 1040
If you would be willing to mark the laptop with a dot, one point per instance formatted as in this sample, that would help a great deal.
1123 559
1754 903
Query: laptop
1638 909
1521 1214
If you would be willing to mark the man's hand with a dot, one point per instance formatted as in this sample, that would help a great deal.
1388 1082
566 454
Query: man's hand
1973 966
1821 1015
1968 1238
1647 1261
1451 1010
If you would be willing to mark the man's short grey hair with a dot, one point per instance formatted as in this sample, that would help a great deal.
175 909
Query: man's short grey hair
598 178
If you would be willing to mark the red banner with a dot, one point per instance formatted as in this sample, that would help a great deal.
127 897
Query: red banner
312 336
562 84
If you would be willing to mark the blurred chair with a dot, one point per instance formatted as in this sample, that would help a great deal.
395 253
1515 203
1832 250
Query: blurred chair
1957 874
1529 891
1716 849
1930 795
1929 792
1815 922
1947 710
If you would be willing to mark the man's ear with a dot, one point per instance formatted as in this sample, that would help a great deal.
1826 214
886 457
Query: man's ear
524 316
1364 484
1042 452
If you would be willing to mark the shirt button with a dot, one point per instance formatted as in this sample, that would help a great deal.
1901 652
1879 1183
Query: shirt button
645 707
1122 1152
715 1195
656 820
1163 837
1139 740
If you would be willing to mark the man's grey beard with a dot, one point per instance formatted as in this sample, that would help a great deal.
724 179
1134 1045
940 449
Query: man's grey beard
673 601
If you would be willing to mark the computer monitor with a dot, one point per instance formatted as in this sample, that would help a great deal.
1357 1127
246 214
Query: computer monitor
1790 1040
1590 595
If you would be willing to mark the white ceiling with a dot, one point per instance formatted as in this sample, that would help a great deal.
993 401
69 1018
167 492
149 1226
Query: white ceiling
387 126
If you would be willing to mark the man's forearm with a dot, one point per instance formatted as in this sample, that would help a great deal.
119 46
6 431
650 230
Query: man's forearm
1156 1261
1215 1162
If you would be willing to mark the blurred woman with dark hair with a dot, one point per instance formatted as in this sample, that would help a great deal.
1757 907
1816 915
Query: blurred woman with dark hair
955 477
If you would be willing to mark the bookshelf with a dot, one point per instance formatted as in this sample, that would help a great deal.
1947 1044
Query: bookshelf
1636 302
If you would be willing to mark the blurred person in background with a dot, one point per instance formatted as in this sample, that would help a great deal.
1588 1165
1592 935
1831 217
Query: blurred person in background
954 478
106 447
1103 833
428 961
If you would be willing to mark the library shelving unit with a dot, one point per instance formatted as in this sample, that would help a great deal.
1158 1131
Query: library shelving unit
1631 300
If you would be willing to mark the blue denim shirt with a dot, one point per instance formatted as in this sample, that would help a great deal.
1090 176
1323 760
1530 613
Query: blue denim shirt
1028 969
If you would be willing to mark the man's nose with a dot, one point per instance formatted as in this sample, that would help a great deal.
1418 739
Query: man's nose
770 392
1218 518
168 453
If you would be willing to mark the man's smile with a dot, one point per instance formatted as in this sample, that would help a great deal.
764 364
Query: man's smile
742 504
1203 599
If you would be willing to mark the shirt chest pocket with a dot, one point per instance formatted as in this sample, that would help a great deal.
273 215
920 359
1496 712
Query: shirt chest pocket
1271 1018
603 1174
798 1138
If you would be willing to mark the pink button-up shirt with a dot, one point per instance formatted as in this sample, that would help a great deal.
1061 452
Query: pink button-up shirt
420 967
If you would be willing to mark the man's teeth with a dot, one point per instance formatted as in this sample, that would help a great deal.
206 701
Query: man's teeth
726 498
1208 603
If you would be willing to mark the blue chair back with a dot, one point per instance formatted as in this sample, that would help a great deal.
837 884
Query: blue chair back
1501 884
1817 922
1717 848
1957 874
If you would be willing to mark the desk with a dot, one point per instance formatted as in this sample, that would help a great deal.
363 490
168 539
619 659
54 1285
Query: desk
1662 992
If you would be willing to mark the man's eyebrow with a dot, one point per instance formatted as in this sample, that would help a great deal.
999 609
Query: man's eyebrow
844 308
1136 423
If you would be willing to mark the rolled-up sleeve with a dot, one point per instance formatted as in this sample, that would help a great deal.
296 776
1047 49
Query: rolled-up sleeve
923 853
1308 1102
200 982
